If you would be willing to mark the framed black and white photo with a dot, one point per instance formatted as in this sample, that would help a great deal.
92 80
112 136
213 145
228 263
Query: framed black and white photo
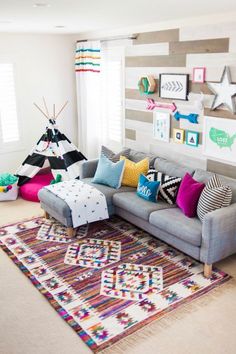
174 86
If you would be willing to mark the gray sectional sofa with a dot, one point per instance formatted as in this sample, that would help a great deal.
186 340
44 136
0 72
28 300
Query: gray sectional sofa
208 242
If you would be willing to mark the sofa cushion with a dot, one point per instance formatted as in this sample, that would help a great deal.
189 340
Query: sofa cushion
188 195
114 157
107 191
131 202
214 196
137 156
176 223
169 185
109 173
205 176
133 170
171 168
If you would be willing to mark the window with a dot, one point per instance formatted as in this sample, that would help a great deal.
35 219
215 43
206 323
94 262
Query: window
9 127
112 96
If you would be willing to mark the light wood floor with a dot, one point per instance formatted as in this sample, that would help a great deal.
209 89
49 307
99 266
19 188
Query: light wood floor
29 325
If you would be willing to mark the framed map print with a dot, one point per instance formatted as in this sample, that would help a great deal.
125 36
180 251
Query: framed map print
219 138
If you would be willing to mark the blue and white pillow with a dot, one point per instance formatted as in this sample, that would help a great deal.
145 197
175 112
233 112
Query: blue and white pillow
109 173
147 189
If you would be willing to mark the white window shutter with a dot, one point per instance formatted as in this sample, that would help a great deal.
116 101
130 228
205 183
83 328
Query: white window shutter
112 94
9 128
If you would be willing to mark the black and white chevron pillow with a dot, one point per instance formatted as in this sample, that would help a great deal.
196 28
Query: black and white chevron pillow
168 185
113 156
214 196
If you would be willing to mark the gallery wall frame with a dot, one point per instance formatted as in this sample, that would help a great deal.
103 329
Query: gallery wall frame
174 86
161 126
219 138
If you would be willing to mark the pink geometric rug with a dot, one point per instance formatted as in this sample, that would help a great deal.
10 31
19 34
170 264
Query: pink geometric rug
109 281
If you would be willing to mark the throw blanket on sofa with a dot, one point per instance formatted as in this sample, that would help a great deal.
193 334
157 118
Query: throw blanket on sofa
87 203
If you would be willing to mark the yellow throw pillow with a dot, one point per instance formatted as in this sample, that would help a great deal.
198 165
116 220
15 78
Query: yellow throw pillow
133 170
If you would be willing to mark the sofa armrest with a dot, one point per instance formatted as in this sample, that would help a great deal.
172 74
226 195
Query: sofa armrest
88 168
218 234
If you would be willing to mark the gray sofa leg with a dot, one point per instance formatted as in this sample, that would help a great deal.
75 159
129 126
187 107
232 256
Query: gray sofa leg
207 270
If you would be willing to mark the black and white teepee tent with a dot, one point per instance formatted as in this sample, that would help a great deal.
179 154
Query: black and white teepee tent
63 157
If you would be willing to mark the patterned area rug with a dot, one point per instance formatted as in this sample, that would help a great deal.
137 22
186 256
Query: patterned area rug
109 281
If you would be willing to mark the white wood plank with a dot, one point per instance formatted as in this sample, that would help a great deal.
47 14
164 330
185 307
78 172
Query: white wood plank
182 106
171 147
219 30
147 49
214 64
186 125
132 75
137 145
137 125
178 154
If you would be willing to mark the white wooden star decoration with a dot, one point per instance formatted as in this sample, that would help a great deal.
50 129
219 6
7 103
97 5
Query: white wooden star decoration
224 91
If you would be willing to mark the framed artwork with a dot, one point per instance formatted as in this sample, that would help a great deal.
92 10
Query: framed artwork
220 138
174 86
192 138
161 126
179 136
199 75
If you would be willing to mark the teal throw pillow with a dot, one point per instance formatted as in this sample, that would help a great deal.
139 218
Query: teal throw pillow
109 173
147 189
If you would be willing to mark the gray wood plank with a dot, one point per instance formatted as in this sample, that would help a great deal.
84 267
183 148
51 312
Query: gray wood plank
146 117
221 168
157 36
178 60
218 45
220 113
130 134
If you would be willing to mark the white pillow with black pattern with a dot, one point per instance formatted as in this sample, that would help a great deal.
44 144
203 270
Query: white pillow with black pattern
214 196
169 185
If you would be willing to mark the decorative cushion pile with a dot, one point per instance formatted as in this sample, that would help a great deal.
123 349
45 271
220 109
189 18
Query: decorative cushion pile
8 187
147 189
169 185
214 196
188 195
133 171
109 173
113 156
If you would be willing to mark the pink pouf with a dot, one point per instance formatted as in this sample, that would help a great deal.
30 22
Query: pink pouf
29 191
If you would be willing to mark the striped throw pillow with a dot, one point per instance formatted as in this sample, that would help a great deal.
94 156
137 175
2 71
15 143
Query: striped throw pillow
112 156
214 196
169 186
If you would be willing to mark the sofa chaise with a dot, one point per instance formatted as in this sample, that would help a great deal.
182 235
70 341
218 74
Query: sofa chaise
208 241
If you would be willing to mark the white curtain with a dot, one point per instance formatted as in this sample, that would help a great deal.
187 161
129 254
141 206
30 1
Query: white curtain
100 96
88 82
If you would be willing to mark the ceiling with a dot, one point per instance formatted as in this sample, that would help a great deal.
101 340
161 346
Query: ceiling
78 16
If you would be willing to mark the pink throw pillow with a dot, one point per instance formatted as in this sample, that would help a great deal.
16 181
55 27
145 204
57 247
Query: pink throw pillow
188 195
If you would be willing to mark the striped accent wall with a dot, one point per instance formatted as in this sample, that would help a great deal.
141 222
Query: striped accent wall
178 51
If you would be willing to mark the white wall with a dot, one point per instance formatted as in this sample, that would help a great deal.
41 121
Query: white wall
44 66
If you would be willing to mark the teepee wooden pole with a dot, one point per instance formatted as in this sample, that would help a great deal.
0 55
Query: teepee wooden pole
40 110
46 108
62 109
54 110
